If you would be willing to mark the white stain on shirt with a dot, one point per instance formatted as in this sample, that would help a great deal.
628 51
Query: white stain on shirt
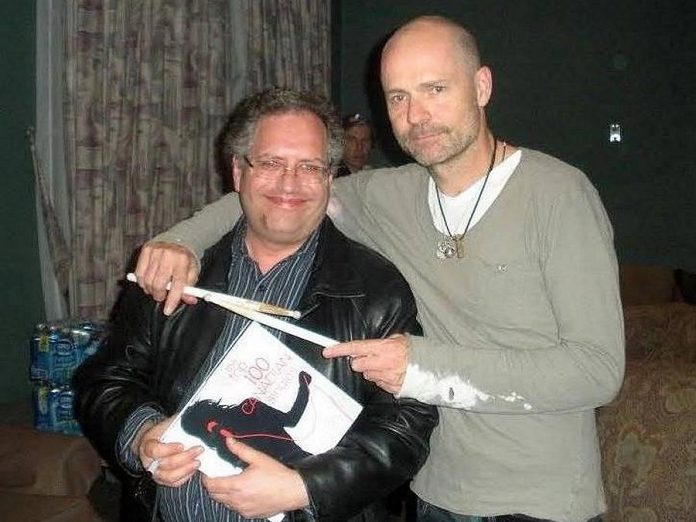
516 397
452 391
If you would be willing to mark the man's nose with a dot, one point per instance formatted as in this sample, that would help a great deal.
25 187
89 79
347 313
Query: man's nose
289 179
417 113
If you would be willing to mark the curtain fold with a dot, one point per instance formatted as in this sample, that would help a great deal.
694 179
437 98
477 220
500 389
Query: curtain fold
290 45
57 246
52 195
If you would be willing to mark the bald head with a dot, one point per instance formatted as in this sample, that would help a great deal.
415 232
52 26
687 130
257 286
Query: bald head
436 92
436 28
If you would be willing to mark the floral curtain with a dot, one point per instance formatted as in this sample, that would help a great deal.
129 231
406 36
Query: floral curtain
144 99
146 91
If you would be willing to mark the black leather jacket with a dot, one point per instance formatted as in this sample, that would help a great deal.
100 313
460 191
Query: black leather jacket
352 293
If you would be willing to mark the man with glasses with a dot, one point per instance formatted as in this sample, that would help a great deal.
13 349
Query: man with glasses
282 146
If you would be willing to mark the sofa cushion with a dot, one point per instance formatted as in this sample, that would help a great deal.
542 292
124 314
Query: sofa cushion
648 441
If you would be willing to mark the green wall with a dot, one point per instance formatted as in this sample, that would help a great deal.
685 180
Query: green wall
21 302
562 72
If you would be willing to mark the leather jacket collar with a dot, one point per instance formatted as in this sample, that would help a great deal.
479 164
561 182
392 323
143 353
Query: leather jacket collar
332 273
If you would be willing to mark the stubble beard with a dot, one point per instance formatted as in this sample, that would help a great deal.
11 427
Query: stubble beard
449 146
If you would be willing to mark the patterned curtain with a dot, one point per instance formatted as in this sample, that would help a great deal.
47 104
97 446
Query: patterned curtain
147 89
144 100
290 45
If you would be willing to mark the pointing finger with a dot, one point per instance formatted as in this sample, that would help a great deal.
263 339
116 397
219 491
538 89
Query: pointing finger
351 349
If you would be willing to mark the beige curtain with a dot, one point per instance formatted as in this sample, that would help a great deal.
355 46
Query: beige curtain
144 99
146 93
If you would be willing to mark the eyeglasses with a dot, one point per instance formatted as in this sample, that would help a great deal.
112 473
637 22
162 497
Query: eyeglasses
304 171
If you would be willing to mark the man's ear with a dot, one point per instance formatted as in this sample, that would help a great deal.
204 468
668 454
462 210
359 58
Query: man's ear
236 173
483 80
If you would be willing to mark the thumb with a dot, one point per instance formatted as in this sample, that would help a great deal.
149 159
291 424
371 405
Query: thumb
244 452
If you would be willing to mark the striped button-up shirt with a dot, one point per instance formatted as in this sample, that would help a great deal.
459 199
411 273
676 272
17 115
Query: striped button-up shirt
282 285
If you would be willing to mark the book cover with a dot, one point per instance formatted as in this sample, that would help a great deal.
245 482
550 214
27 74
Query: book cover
265 395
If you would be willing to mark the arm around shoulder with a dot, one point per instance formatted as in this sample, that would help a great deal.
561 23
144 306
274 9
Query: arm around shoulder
205 227
174 255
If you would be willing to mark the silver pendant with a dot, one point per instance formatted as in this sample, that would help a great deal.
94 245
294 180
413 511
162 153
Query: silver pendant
446 248
450 247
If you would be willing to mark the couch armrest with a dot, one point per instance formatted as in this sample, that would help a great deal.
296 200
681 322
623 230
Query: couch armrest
43 463
663 331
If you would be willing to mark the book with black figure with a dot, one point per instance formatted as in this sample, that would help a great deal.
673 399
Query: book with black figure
266 396
252 421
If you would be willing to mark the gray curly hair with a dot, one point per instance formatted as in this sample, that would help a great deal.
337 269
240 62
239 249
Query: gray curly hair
241 125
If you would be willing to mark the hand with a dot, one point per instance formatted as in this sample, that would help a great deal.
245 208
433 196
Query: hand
382 361
265 488
160 263
174 464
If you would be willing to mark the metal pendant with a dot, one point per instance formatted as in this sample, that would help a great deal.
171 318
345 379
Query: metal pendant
446 248
450 247
459 246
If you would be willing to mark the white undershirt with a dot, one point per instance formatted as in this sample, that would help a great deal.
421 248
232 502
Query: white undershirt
458 208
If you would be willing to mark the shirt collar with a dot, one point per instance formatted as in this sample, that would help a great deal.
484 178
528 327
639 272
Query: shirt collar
239 248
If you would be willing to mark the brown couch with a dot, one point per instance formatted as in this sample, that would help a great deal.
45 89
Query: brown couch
648 433
46 476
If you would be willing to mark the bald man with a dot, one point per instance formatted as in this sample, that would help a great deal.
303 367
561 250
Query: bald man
510 255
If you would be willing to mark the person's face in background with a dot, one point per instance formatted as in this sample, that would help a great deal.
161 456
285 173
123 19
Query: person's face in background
358 143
